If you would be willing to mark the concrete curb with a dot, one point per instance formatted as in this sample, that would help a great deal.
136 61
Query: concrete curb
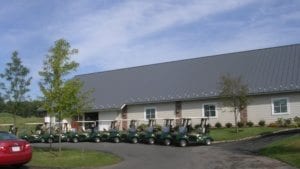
278 132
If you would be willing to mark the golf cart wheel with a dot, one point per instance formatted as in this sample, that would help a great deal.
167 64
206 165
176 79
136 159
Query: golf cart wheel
97 140
167 142
134 140
75 140
43 140
151 141
116 139
208 142
182 143
50 140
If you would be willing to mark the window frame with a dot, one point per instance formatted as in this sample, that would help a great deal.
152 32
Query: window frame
145 112
216 109
287 104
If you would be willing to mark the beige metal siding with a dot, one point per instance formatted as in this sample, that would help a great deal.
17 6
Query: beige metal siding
195 109
260 107
163 110
108 115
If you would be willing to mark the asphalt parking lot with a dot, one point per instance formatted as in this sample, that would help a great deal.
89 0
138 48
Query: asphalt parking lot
233 155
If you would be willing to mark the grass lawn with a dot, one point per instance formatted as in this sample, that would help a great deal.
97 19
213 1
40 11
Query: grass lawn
287 150
6 118
230 133
71 158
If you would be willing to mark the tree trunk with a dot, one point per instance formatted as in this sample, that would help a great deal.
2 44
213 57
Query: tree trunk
59 131
235 120
50 128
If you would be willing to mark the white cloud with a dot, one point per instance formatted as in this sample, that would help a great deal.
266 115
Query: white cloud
131 33
103 36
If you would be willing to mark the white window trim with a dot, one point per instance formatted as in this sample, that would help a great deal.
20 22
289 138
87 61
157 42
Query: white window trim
287 102
216 109
150 108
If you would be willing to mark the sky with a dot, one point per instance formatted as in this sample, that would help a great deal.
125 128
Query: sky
114 34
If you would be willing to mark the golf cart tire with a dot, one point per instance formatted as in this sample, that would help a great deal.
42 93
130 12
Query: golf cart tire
208 142
151 141
75 140
134 140
116 140
167 142
50 140
182 143
97 140
43 140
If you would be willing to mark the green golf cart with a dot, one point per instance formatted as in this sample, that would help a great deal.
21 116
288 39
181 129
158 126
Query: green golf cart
90 136
53 137
185 136
148 136
32 132
113 135
165 136
131 135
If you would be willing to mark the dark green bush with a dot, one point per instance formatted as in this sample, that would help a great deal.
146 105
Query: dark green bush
218 125
249 123
262 123
240 124
228 125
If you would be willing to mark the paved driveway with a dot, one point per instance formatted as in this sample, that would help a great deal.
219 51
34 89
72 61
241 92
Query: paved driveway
225 155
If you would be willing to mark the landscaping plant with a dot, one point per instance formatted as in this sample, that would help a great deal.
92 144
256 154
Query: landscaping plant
218 125
262 123
249 123
228 125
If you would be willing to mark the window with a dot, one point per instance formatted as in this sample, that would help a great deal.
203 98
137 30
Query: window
150 113
209 110
280 106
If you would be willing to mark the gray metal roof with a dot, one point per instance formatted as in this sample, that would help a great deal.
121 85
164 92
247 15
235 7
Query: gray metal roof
270 70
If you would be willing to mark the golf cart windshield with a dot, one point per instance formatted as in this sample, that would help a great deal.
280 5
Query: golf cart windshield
150 129
133 129
182 129
166 129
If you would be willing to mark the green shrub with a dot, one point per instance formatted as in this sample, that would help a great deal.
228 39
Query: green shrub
287 122
157 127
228 125
273 125
240 124
292 125
249 123
197 126
280 122
142 127
262 123
297 119
218 125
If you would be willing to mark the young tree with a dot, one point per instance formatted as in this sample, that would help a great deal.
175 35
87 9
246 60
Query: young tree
2 105
234 95
61 96
17 83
